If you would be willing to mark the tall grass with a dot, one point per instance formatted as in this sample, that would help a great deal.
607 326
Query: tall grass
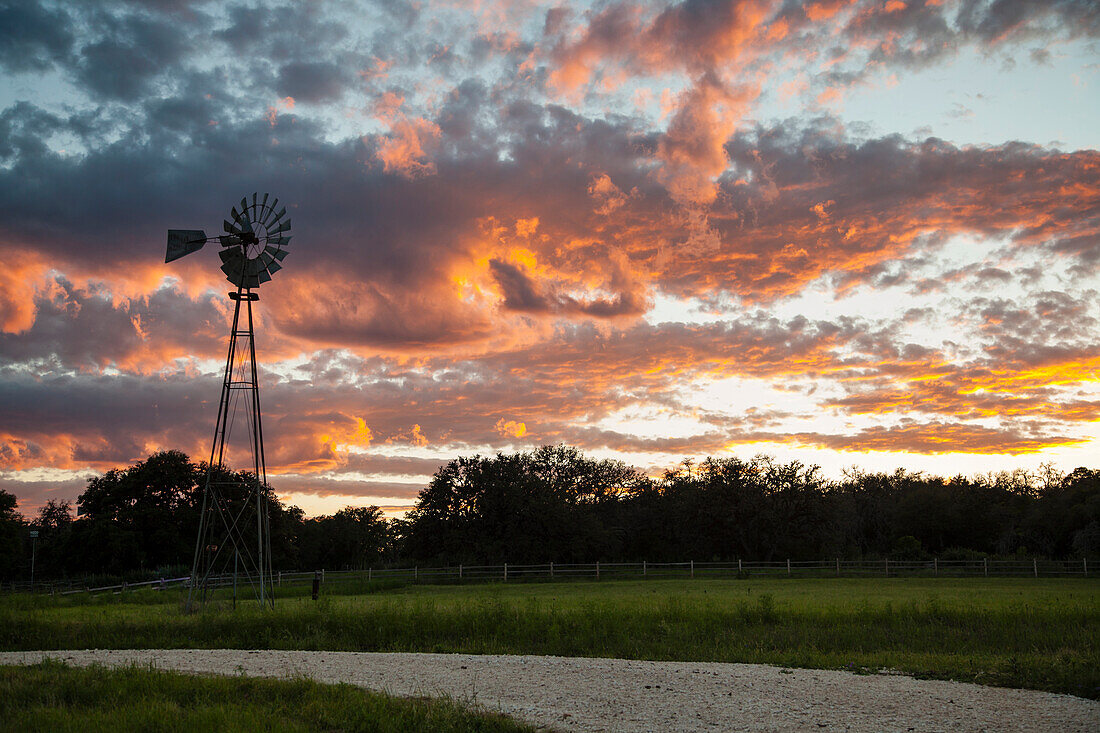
53 697
1042 634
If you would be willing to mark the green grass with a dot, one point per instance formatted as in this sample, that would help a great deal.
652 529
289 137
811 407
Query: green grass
53 697
1037 633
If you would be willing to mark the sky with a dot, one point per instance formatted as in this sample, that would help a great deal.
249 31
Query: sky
843 232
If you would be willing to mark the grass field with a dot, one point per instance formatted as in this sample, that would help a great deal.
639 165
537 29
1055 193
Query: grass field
1037 633
52 697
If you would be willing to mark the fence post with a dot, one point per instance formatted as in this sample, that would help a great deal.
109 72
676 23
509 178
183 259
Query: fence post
936 566
738 566
838 567
460 571
1035 566
370 574
322 575
788 566
645 569
1085 560
985 566
693 568
887 567
505 572
551 568
597 570
280 578
416 573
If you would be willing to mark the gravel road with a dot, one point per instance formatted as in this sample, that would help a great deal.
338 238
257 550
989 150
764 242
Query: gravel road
580 694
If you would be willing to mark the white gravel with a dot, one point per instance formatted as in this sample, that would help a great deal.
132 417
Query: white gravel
580 694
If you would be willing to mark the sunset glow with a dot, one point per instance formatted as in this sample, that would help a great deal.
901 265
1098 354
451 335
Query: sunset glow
847 232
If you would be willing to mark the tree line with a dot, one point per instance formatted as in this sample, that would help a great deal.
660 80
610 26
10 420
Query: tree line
555 503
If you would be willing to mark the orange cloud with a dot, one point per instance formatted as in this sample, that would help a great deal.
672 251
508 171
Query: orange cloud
511 428
409 146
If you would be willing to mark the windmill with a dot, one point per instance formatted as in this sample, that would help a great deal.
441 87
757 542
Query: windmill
234 537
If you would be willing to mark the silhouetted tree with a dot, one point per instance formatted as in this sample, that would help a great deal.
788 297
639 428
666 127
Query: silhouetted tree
554 503
12 532
353 538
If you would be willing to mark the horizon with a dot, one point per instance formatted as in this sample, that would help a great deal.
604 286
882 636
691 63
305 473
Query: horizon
847 233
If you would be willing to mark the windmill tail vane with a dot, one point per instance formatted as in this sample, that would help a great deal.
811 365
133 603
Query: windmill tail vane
231 546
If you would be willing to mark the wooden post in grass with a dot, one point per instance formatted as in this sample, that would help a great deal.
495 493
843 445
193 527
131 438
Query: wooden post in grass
936 566
693 568
788 567
460 571
370 574
551 568
738 566
1035 566
416 573
838 567
887 567
505 572
1085 560
597 570
985 566
645 568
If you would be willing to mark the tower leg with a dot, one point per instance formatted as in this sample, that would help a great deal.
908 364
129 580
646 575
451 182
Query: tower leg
221 532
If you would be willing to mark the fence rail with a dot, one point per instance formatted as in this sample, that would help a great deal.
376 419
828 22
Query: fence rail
506 572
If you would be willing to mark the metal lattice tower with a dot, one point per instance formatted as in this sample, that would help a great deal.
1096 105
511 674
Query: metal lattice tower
234 537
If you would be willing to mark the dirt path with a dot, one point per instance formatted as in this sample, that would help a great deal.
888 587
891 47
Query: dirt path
580 694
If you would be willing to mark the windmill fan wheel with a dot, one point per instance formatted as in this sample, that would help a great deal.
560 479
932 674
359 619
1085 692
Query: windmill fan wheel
255 241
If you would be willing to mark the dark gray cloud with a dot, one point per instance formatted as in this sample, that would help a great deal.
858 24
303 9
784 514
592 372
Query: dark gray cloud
129 53
311 81
520 293
33 37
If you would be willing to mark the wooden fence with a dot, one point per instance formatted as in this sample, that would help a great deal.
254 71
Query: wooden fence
507 572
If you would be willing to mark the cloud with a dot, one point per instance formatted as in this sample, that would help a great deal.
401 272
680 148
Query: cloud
492 212
33 37
128 54
311 81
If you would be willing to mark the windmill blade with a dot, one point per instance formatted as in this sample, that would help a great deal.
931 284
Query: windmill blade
264 277
274 267
231 255
278 254
232 274
270 211
242 220
276 217
283 227
253 206
231 228
263 204
281 241
182 242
